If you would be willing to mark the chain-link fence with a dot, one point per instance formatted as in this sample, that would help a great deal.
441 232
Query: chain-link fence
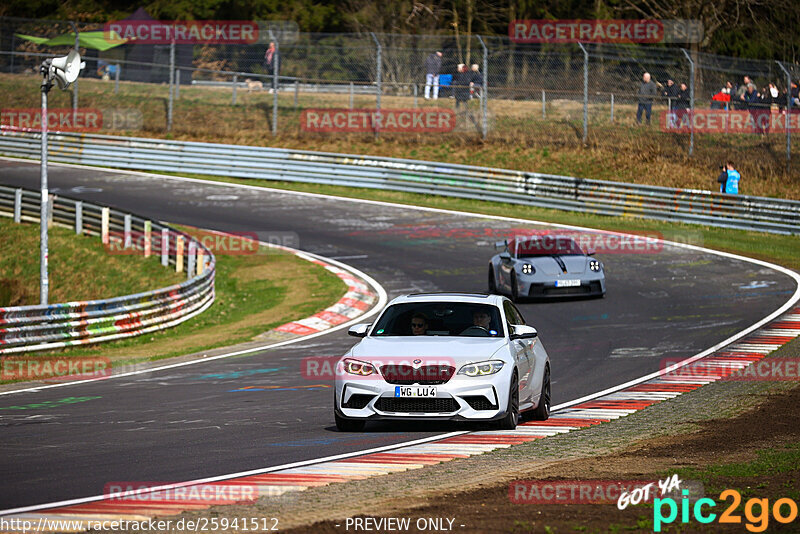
532 95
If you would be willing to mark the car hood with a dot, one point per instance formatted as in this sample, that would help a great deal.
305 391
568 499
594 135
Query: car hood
555 265
429 349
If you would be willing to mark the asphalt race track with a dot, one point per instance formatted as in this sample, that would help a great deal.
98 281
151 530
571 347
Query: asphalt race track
217 417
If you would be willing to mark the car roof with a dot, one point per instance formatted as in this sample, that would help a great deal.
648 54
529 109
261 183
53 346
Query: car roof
473 298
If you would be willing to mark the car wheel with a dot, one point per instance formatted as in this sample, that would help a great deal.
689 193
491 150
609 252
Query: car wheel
348 425
542 411
509 422
514 288
492 283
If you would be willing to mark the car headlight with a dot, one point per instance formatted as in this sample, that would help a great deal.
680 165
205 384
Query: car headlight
489 367
594 265
527 268
356 367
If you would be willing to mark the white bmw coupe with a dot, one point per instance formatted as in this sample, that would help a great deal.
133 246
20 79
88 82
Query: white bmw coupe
444 356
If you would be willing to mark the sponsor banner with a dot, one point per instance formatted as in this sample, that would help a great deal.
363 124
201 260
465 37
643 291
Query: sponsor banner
225 244
605 31
393 370
217 493
735 368
546 242
758 120
183 31
430 120
58 119
590 491
19 368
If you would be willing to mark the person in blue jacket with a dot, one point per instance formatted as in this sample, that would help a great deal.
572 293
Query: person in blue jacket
729 179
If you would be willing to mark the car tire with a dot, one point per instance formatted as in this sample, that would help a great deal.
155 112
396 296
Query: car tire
542 411
492 281
509 422
514 288
344 424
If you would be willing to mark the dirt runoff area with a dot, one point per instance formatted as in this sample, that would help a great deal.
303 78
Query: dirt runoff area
756 452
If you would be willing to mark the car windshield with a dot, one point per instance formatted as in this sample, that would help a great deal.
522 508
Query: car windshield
440 319
547 246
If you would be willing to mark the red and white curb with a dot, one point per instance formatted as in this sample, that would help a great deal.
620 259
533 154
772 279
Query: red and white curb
666 385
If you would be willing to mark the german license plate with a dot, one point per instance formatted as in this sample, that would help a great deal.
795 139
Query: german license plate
414 391
568 283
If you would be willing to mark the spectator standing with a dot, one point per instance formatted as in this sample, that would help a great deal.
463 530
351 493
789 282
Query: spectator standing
682 102
270 60
462 80
796 94
729 179
741 90
647 90
722 99
476 81
433 64
670 92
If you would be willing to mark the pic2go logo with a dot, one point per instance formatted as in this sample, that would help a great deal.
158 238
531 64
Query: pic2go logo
756 511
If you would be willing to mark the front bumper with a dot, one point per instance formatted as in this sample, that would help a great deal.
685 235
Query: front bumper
462 398
588 288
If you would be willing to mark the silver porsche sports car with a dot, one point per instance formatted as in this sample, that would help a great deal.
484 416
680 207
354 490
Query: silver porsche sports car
545 266
444 356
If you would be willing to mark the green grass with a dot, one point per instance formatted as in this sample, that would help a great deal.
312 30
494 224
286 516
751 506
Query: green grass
80 268
773 461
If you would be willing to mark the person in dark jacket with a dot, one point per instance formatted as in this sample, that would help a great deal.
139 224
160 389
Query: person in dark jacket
670 92
759 111
477 81
647 90
462 81
433 64
682 102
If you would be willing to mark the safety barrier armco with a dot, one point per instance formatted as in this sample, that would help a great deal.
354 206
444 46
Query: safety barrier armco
463 181
43 327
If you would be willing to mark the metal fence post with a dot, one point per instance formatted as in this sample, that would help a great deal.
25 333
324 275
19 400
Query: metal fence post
79 217
127 232
585 93
190 267
544 105
233 97
148 238
178 254
18 205
484 95
351 95
164 247
104 214
171 83
296 93
416 104
177 84
691 100
378 72
612 107
116 80
276 72
788 115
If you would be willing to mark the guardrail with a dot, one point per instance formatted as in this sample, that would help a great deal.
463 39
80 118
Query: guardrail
463 181
44 327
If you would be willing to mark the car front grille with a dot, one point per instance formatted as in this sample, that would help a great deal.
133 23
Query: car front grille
542 290
426 375
408 405
479 402
357 401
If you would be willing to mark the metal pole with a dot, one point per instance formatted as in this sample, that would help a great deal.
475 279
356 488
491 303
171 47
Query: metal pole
788 114
416 104
296 93
116 80
484 95
177 84
351 95
233 97
585 93
378 73
612 107
691 100
544 105
75 83
79 217
275 74
18 205
44 282
171 83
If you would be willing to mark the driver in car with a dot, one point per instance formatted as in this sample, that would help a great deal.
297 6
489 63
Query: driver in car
482 319
419 324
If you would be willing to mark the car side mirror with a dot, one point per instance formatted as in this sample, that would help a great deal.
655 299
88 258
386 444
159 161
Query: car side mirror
522 331
359 330
505 255
590 252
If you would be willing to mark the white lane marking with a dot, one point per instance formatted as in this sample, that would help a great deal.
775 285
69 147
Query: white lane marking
579 414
